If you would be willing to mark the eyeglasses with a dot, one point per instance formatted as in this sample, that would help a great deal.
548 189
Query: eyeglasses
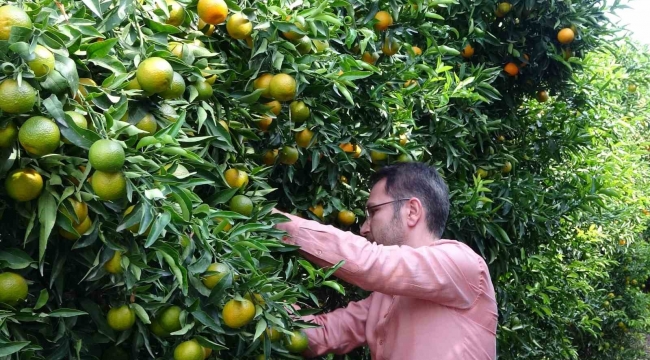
368 208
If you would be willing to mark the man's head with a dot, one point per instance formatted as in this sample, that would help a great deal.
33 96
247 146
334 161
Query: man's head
408 201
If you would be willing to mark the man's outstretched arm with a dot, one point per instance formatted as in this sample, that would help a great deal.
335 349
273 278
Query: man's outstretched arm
341 330
449 274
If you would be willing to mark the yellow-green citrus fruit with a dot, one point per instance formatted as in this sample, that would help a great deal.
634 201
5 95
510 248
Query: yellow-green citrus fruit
237 313
148 124
133 84
273 334
212 11
282 87
204 89
236 178
206 352
135 227
256 299
274 106
106 155
220 270
209 77
157 329
377 156
8 134
39 136
109 186
205 28
262 82
43 61
82 91
188 350
304 45
176 89
78 119
299 111
177 48
13 288
321 46
346 217
317 210
80 228
176 13
238 26
170 319
16 99
241 204
11 16
292 35
155 75
507 167
297 342
269 157
390 47
304 137
80 211
24 184
114 265
121 318
404 158
288 155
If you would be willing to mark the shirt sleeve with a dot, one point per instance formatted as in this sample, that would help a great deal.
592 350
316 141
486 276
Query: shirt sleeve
448 272
341 331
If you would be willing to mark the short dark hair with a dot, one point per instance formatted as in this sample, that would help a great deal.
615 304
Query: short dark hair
415 179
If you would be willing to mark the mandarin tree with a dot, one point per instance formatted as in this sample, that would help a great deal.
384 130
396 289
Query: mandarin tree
157 105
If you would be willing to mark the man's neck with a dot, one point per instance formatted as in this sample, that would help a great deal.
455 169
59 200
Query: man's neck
420 238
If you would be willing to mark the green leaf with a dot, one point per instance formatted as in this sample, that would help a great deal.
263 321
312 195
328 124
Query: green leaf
94 6
65 313
47 217
248 98
110 64
15 258
42 299
446 50
345 92
354 75
219 290
9 348
223 196
249 228
334 285
161 222
141 313
172 258
68 69
100 49
202 317
209 344
260 327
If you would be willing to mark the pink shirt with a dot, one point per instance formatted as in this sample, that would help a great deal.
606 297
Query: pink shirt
433 302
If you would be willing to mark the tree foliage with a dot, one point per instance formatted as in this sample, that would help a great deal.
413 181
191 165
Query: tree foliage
544 191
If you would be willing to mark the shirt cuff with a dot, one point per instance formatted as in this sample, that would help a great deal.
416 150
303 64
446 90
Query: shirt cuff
292 227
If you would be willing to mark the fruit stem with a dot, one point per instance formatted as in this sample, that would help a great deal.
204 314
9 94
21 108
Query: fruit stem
60 6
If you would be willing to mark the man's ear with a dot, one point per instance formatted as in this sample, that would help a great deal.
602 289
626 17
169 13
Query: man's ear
415 211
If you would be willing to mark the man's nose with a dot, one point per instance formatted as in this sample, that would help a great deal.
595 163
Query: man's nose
365 228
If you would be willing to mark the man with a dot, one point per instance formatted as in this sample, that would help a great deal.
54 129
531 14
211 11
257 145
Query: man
432 299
